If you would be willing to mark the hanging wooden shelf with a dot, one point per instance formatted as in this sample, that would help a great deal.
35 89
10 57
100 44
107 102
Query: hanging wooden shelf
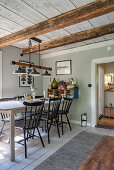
29 65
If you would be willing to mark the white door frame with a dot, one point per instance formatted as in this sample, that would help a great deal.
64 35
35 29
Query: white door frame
1 74
94 86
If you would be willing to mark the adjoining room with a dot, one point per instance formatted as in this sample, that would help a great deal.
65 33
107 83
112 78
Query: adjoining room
105 93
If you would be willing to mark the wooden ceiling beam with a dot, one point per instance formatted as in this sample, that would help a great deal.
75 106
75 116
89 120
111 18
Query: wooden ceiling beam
73 38
81 14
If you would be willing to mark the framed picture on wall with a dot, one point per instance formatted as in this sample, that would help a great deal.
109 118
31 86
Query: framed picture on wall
63 67
25 80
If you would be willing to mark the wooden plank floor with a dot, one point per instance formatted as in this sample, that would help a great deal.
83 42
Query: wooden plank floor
37 154
102 157
106 121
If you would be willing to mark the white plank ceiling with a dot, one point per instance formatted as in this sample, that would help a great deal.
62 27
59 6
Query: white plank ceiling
16 15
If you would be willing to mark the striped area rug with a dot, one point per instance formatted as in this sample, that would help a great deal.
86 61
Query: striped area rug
72 154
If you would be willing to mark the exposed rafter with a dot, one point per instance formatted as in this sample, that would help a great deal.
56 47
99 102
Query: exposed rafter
86 12
77 37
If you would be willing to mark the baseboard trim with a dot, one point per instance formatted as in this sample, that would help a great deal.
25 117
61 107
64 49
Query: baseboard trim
79 122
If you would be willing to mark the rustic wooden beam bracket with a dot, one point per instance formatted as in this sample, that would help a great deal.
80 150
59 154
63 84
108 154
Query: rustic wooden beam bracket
29 65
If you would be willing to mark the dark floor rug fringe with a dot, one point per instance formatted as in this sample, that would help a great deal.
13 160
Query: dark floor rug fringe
72 154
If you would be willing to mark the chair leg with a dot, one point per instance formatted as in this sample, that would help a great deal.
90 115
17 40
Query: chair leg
1 131
62 123
51 123
46 126
41 138
25 144
48 133
68 121
42 129
58 128
9 141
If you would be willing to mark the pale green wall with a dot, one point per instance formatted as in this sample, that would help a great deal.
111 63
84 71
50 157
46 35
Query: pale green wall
10 81
81 70
109 67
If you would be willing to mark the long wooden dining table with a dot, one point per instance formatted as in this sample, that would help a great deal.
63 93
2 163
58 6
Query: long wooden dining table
12 108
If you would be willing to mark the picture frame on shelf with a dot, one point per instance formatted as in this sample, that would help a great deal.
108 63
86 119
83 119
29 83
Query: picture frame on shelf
63 67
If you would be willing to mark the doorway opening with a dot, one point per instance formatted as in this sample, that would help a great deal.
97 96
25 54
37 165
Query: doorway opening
94 88
105 116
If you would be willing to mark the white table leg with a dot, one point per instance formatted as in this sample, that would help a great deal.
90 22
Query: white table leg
12 137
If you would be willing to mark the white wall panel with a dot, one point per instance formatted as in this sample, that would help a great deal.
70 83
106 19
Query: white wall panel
99 21
9 25
44 7
79 3
73 29
111 16
62 5
3 32
14 17
22 9
84 25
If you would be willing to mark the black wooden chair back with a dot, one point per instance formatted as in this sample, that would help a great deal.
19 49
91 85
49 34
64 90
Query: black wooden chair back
53 107
64 111
51 116
32 121
34 109
38 97
66 105
20 97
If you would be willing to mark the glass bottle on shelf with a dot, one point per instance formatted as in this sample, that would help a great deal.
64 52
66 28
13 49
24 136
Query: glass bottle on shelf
54 84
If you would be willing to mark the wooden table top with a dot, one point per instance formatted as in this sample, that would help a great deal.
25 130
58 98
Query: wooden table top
9 105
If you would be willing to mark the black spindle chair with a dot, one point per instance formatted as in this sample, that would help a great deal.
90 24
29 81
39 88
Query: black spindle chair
51 116
32 122
66 104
